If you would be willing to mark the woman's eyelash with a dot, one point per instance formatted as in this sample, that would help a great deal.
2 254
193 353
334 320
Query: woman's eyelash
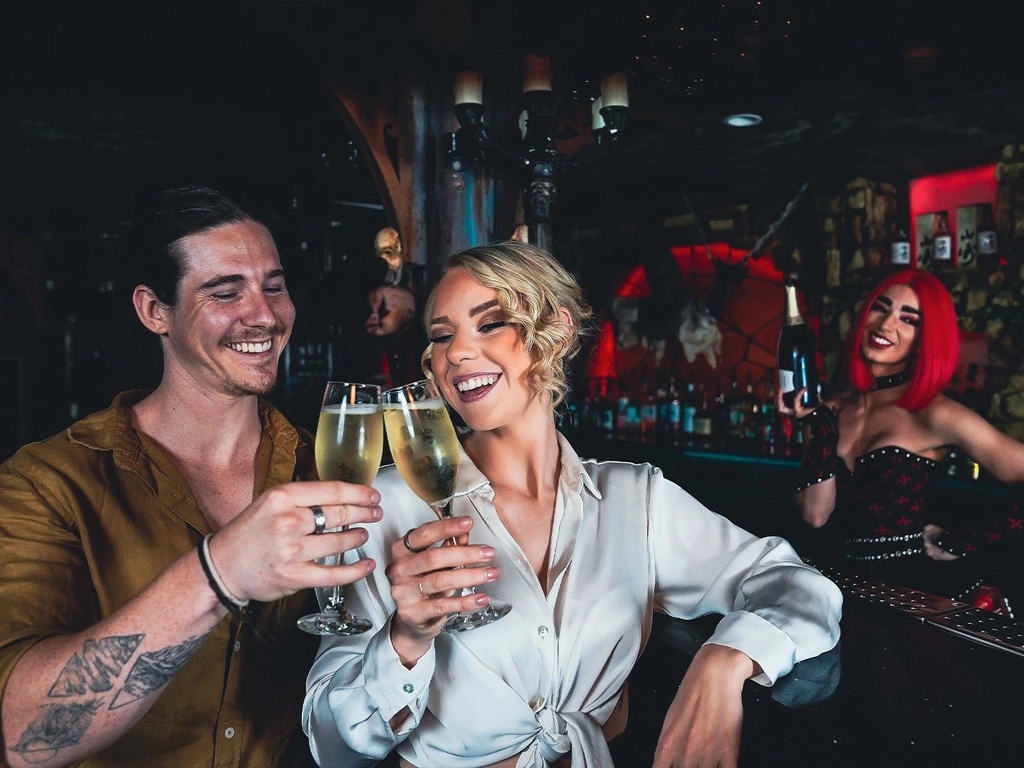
439 338
493 325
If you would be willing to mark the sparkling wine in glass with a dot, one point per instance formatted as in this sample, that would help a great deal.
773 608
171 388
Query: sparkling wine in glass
426 451
349 444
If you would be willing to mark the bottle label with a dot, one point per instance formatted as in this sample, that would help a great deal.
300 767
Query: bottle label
702 425
901 254
786 380
987 244
942 248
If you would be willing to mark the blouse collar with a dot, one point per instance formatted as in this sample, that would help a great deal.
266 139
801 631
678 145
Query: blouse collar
574 474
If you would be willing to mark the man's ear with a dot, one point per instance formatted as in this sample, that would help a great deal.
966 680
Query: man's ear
151 311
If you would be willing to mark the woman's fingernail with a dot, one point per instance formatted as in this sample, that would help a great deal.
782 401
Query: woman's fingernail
465 522
481 600
486 553
376 513
491 573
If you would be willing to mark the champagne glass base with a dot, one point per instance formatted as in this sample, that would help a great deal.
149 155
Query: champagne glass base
467 620
333 624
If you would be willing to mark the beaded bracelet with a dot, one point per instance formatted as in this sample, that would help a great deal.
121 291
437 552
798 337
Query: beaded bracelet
236 607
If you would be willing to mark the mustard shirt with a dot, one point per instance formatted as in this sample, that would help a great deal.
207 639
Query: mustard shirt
91 516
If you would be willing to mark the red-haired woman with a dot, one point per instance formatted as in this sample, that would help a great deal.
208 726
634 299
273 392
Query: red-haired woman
872 450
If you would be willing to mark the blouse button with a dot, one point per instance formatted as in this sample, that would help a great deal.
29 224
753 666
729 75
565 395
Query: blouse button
229 733
408 688
542 631
537 703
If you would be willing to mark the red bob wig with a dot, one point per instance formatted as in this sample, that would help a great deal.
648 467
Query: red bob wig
938 344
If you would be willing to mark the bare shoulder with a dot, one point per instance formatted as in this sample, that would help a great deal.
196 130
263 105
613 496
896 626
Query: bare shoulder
944 410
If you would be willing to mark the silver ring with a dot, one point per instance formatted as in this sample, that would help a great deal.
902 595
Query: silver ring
410 547
319 520
420 585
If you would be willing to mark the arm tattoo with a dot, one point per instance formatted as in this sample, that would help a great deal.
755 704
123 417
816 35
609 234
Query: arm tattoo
57 726
95 669
154 670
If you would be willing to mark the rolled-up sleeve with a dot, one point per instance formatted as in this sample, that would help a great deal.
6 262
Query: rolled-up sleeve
776 609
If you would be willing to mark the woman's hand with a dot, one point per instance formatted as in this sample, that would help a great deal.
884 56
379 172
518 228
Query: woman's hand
799 410
425 582
702 727
931 535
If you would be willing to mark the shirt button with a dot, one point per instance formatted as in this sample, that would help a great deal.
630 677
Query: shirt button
238 645
229 733
537 703
408 688
542 631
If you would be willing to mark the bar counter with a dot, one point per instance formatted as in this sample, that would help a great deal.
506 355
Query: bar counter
915 680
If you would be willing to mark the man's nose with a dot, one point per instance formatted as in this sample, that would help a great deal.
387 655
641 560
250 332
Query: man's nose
258 310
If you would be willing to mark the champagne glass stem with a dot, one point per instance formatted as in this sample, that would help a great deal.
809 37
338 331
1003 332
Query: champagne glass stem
444 511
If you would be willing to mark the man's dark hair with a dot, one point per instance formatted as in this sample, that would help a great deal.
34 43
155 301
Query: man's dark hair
163 219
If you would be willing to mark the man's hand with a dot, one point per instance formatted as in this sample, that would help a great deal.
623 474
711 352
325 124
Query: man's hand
270 549
703 725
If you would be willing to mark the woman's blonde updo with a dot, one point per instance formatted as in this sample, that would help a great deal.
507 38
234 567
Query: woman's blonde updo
532 287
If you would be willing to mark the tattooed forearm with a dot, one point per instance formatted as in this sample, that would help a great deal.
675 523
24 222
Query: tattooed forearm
96 667
56 727
153 670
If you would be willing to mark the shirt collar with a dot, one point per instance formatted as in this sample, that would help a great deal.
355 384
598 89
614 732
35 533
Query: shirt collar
574 474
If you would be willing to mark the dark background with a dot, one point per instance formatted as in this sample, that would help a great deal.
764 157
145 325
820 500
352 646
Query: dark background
104 99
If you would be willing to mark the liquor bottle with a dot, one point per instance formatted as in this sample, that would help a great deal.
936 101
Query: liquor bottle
942 245
689 412
988 238
899 250
797 349
648 413
769 435
703 420
735 409
675 413
605 410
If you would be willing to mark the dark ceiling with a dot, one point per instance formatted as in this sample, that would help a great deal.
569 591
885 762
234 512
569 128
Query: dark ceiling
101 98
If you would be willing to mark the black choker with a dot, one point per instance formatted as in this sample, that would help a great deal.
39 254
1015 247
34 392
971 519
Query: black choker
888 382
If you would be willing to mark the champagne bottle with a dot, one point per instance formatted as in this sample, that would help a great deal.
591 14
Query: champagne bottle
797 347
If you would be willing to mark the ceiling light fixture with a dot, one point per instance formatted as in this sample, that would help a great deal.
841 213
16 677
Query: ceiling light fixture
744 119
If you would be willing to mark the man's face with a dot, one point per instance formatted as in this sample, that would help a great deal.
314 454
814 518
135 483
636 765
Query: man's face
233 316
391 310
389 247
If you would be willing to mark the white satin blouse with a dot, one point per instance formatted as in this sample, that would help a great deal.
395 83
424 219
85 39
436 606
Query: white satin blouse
541 681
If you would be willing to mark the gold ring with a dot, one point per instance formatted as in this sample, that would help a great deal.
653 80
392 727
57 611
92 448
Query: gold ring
420 585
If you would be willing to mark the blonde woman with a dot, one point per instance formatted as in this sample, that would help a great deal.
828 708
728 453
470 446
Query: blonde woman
585 552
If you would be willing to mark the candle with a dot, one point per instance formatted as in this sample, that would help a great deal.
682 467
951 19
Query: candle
613 90
536 73
596 119
469 88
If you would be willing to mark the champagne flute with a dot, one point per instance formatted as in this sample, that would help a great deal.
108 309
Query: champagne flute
426 451
349 444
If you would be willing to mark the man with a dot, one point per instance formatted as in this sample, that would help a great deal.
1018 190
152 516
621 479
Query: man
117 645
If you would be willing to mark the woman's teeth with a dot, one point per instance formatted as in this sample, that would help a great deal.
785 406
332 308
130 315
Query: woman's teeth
250 347
476 382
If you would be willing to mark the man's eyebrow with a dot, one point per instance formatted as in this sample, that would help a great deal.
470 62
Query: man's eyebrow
223 280
217 282
473 312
